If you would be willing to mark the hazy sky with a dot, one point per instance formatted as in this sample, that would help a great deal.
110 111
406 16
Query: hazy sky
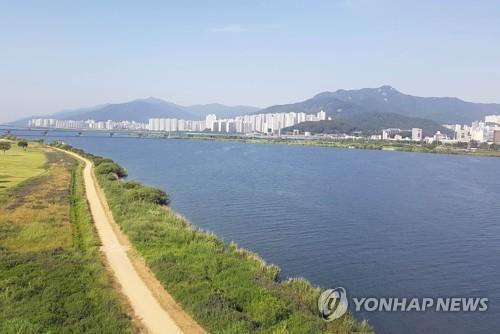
66 54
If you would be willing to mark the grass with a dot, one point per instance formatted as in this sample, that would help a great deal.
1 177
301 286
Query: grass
52 279
226 289
18 165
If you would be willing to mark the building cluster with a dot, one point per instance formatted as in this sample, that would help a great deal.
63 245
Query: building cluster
261 123
415 134
487 131
174 125
86 125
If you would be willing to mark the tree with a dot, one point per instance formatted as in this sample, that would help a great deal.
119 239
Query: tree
22 143
4 146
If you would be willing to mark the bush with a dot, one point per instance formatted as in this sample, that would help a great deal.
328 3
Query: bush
131 184
110 167
148 194
100 160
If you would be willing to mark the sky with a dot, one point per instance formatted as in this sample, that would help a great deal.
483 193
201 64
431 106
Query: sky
57 55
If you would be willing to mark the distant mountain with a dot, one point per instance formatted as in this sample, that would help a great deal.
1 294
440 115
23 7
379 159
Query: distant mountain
386 99
141 110
369 123
71 112
63 114
138 110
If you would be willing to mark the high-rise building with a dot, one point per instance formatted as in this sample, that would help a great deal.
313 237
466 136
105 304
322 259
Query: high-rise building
321 115
463 134
209 121
416 134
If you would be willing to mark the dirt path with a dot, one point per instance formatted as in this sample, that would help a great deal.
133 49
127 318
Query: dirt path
155 308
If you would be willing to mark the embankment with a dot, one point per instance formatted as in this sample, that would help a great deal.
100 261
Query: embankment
226 289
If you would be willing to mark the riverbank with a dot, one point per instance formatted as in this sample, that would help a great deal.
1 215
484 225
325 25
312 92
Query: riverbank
225 288
457 149
114 246
52 277
360 143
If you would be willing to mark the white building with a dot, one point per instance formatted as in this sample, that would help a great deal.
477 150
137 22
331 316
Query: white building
463 134
209 121
416 134
492 119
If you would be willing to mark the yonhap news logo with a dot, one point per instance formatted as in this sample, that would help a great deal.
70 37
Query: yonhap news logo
333 304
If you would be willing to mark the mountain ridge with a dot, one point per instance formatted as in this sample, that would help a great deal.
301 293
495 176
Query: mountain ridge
140 110
370 123
387 99
384 99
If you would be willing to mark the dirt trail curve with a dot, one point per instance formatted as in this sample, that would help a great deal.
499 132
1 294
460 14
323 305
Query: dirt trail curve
155 308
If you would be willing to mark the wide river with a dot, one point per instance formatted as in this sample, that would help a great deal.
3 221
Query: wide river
379 223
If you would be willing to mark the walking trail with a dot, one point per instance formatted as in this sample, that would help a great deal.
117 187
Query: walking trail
155 308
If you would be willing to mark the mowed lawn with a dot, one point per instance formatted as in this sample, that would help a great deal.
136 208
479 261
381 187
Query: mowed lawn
18 165
52 277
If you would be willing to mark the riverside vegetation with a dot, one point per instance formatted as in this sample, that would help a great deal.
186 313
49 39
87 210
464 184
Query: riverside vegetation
52 279
226 289
473 148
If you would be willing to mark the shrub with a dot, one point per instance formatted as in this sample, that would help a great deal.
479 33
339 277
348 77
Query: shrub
110 167
112 177
131 184
100 160
148 194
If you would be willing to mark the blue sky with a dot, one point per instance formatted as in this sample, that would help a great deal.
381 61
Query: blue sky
66 54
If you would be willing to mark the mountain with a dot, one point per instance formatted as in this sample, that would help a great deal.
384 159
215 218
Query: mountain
137 110
63 114
370 123
387 99
72 112
141 110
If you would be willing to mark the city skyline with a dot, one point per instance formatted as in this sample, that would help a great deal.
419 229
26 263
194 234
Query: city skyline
481 131
262 123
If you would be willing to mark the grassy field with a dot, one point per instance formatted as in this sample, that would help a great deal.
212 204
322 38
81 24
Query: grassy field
18 165
226 289
52 279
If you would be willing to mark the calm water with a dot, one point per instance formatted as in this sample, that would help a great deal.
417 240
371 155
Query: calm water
377 223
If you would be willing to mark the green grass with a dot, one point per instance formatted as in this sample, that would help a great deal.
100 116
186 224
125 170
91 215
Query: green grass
52 279
225 288
18 165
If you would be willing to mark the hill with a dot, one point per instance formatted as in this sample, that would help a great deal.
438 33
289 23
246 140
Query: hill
387 99
369 123
137 110
141 110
